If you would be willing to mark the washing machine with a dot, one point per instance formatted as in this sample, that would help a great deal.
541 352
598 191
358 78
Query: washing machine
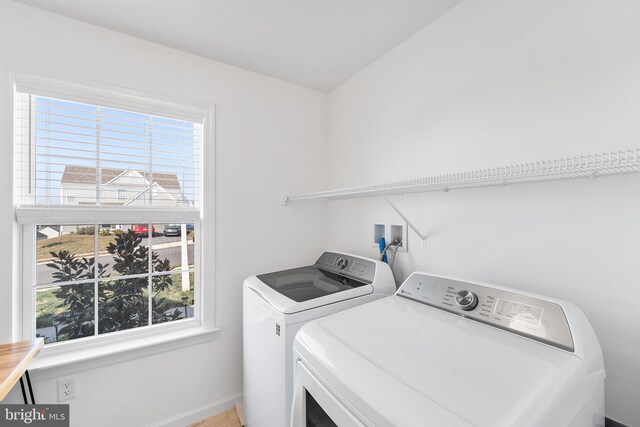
448 352
276 305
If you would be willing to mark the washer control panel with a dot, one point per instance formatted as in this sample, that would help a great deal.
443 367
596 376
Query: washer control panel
532 317
347 265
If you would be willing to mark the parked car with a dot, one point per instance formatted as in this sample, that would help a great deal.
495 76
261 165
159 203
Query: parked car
176 229
143 229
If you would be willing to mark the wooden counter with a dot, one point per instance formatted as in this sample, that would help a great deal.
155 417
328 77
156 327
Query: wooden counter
15 359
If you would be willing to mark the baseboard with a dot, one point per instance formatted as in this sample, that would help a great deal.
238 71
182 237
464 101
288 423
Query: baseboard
608 422
197 414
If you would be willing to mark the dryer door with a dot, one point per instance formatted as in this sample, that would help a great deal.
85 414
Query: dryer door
315 406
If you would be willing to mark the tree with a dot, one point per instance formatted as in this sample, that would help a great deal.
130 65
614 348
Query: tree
123 303
79 320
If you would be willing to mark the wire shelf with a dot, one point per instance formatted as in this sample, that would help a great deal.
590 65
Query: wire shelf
584 166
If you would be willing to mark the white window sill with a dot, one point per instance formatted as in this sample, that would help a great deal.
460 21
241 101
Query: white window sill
54 362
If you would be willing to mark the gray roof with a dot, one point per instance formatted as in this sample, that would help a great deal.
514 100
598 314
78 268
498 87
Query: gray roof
87 175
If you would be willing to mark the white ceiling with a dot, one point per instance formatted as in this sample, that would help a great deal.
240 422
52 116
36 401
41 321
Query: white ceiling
314 43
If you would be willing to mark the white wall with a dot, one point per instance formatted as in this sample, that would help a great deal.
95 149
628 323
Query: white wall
493 83
270 139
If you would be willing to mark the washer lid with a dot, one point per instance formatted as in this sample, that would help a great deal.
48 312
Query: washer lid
306 283
317 290
334 277
399 362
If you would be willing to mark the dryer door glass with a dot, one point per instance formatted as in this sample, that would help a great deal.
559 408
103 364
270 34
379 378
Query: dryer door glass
306 283
316 416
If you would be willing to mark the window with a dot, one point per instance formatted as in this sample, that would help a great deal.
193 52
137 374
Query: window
121 251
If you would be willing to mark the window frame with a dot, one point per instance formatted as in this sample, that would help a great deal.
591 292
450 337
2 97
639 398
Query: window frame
29 289
26 218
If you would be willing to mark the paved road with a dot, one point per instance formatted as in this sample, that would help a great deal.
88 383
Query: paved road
173 253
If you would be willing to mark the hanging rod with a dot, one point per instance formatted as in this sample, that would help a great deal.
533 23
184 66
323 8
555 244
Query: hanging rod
589 165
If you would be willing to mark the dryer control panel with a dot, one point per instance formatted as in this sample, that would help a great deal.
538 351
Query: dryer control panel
532 317
347 265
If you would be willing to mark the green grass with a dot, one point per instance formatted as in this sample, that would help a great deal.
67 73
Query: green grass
175 293
47 306
74 243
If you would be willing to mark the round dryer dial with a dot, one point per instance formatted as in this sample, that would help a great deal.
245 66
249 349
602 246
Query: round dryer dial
466 300
342 263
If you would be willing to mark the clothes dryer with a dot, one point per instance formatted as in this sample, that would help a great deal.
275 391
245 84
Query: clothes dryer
449 352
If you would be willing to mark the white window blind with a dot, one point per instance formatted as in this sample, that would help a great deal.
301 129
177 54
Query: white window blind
103 157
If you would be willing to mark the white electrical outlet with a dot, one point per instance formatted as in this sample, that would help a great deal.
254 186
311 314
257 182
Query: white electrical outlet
66 389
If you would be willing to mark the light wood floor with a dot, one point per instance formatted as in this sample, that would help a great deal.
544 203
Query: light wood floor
224 419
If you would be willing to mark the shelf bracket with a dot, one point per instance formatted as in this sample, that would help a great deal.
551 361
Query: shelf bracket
404 218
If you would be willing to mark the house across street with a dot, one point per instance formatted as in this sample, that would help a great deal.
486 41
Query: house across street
120 187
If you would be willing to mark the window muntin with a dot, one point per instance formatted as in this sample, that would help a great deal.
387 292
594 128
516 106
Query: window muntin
56 153
133 290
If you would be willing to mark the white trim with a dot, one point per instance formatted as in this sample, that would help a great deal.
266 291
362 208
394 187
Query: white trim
104 215
56 362
10 249
206 265
28 318
154 187
111 98
200 413
129 169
